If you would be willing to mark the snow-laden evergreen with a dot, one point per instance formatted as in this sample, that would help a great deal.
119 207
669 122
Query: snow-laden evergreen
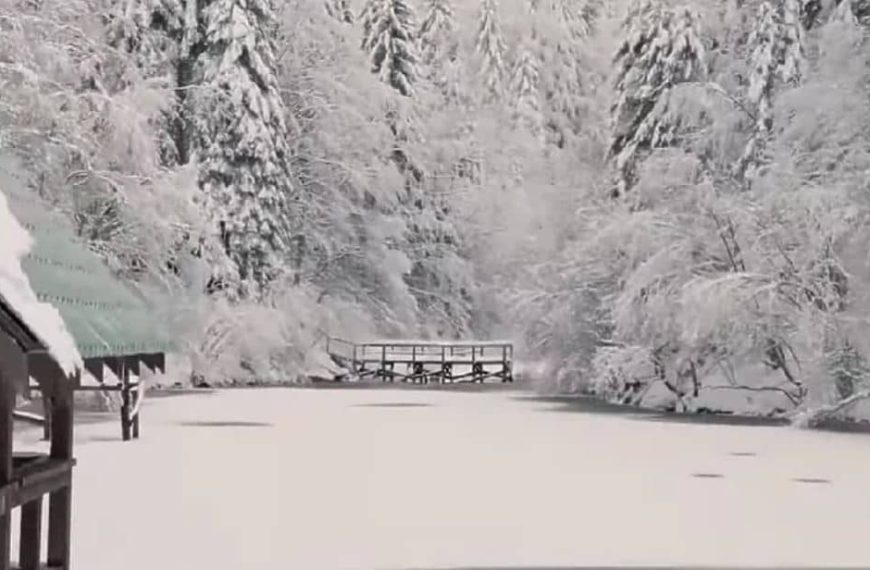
340 10
436 30
439 48
491 49
525 91
147 29
241 140
662 48
389 39
776 60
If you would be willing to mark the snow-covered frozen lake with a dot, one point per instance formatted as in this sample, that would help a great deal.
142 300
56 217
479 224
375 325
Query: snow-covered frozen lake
323 479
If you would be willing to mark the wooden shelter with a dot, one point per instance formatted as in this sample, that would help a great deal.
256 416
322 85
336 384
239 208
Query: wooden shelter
113 325
27 478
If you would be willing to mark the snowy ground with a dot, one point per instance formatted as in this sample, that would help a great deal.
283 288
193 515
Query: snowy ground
321 479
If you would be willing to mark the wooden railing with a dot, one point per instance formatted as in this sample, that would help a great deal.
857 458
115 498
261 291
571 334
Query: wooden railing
426 361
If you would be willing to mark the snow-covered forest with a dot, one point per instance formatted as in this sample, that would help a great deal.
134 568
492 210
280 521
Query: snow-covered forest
661 202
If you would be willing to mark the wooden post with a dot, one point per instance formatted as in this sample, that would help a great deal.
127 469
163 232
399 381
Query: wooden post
355 358
60 501
46 414
125 401
384 362
138 407
7 405
30 543
443 362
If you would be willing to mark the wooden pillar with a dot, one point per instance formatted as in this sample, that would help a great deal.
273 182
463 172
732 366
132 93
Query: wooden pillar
384 362
60 501
30 542
7 405
46 414
125 401
137 406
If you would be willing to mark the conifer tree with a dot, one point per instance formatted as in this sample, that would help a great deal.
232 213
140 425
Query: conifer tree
662 48
491 49
776 60
340 10
388 38
525 90
240 137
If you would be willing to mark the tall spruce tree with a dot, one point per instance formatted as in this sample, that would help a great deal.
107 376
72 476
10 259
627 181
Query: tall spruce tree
776 59
525 91
240 137
662 48
491 49
388 38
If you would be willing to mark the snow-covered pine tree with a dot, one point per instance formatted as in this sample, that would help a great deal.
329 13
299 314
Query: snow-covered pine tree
147 29
776 59
340 10
148 32
437 26
240 137
662 48
491 49
578 17
388 38
525 91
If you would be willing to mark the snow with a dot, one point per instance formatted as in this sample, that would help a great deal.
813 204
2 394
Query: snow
339 479
42 318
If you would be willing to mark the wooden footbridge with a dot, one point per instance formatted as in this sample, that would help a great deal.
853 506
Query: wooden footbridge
422 362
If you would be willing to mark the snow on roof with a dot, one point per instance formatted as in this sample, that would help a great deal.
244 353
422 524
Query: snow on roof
43 319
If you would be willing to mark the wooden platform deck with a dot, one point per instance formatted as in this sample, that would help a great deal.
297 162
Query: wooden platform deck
425 361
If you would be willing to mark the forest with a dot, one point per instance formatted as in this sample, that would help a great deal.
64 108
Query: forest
662 203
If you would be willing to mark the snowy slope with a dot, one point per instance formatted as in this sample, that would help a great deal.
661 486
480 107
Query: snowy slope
42 318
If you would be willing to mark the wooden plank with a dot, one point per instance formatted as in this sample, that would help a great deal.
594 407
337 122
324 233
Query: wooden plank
48 485
28 417
30 543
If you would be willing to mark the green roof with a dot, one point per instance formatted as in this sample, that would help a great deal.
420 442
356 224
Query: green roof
105 317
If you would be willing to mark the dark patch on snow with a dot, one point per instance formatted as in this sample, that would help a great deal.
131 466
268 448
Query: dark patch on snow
226 424
743 454
592 405
394 405
812 480
708 475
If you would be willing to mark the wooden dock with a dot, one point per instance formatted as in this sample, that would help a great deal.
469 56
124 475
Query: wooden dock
424 362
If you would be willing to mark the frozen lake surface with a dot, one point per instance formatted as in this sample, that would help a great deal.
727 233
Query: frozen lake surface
349 478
